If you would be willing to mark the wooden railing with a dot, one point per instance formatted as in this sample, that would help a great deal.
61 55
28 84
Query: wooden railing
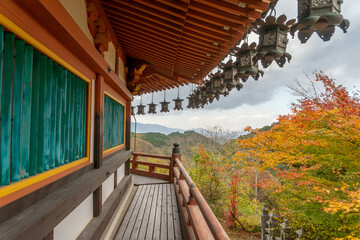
199 220
152 166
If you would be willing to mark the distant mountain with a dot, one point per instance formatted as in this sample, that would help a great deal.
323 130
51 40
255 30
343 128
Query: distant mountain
158 143
154 128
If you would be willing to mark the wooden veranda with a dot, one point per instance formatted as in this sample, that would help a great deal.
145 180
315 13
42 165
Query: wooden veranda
171 209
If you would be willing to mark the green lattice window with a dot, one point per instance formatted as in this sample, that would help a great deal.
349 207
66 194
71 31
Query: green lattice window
113 123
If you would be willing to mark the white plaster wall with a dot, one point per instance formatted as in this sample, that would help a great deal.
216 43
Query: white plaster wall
110 55
107 188
92 120
121 70
75 222
77 10
120 173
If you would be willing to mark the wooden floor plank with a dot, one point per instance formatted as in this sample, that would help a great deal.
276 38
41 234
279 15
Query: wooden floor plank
125 222
127 217
131 223
170 215
153 214
142 180
140 216
164 222
150 226
149 206
176 217
157 224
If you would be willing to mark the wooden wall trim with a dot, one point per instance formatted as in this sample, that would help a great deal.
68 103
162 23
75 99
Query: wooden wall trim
23 203
37 221
97 225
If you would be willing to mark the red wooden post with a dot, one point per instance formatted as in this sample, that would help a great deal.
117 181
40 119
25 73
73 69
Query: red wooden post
151 169
175 154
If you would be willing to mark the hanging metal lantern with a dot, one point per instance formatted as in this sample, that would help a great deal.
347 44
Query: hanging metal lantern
217 83
132 110
164 104
178 102
209 91
229 75
152 105
141 109
199 97
320 16
152 108
246 62
191 103
273 39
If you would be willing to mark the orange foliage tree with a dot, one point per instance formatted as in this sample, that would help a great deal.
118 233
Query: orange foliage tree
314 152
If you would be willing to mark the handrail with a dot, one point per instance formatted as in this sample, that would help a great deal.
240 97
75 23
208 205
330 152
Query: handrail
152 156
215 227
151 172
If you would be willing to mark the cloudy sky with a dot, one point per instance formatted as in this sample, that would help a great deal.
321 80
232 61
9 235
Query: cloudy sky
260 102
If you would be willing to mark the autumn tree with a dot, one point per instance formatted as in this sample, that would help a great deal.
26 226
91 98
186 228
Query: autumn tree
314 153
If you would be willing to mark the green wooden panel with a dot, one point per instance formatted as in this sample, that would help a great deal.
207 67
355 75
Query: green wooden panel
34 113
64 121
67 119
77 118
6 100
57 72
47 110
53 119
113 123
26 114
121 124
110 123
1 58
41 119
17 110
65 75
71 119
105 124
82 122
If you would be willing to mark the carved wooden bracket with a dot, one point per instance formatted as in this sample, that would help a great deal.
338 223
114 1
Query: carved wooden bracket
97 28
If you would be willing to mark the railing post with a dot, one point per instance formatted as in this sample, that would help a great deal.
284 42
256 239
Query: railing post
274 226
175 154
286 233
264 218
134 165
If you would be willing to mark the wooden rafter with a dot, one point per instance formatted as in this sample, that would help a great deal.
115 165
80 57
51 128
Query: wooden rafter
179 39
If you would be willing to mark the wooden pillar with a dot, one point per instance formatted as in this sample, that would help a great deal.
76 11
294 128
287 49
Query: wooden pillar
175 154
98 140
127 135
99 121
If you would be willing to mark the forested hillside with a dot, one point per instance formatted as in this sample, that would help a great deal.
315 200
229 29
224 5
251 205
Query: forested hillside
158 143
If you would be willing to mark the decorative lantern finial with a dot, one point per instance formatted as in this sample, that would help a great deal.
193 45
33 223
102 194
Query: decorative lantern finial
320 16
